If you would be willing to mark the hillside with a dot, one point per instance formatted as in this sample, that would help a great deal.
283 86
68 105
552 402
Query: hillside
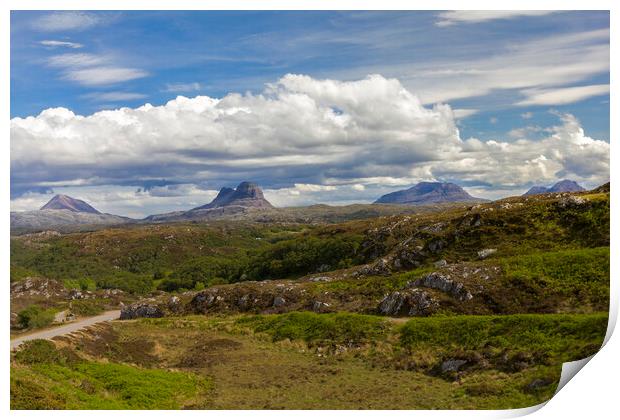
467 306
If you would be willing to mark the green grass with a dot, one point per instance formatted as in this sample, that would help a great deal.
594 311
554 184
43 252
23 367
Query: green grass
45 379
311 327
568 271
557 338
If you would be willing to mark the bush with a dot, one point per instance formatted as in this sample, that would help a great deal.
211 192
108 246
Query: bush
311 327
35 317
87 307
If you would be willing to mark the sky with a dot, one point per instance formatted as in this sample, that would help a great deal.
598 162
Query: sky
141 113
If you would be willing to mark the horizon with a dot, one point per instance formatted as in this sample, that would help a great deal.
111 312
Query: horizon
316 107
52 196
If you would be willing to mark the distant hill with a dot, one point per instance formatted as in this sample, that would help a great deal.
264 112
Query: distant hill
64 202
429 193
565 185
229 202
62 211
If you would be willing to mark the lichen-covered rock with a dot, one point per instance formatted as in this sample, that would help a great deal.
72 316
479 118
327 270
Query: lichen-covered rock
452 365
278 301
487 252
141 310
174 304
413 302
443 283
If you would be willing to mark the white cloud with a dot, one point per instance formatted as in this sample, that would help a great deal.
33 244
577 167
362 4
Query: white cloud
182 87
99 76
461 113
93 70
542 63
66 21
320 139
562 96
527 115
75 60
114 96
65 44
453 17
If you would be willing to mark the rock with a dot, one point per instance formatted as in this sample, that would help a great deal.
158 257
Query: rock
412 302
441 263
539 383
141 310
484 253
445 284
318 306
245 302
436 245
452 365
571 201
174 304
76 294
278 301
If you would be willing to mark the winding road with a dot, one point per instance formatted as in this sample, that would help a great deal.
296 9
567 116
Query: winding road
66 329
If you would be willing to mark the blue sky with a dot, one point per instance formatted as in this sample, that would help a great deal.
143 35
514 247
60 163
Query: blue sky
506 76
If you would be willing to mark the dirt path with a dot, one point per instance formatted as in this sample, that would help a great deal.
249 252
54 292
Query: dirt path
66 329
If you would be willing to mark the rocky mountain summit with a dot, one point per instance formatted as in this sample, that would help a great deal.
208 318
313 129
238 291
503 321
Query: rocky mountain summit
429 193
64 202
228 203
565 185
247 194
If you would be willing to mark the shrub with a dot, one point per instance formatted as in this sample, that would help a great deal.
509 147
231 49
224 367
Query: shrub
87 307
311 327
35 317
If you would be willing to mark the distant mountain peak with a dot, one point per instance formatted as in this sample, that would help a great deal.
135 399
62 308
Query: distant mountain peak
247 194
64 202
428 193
566 185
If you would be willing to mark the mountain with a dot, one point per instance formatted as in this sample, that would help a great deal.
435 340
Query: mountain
229 202
565 185
428 193
247 194
63 211
64 202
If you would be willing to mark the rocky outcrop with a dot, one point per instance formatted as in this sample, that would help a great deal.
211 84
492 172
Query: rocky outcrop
412 302
444 283
141 310
247 194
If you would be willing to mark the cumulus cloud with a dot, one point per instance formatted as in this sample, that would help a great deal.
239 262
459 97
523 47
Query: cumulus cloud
301 137
454 17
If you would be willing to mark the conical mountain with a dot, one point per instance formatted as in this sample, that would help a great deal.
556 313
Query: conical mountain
64 202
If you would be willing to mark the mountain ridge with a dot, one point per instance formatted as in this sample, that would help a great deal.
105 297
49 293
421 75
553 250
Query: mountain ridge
428 193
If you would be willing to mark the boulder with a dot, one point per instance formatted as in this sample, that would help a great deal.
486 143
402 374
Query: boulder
141 310
443 283
278 301
413 302
452 365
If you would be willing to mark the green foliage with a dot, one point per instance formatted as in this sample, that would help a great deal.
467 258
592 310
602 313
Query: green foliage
570 336
35 317
132 283
311 327
582 272
87 307
304 255
83 284
70 382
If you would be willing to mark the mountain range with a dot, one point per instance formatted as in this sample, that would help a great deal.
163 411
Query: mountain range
565 185
247 201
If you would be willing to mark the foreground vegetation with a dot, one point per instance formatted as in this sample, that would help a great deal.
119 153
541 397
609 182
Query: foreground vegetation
305 360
